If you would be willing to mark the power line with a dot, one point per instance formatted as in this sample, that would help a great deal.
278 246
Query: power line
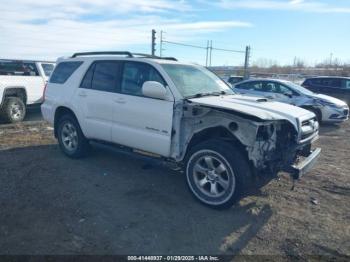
228 50
182 44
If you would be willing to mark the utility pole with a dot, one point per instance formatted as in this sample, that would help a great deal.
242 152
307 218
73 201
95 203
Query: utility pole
206 57
246 62
161 49
210 51
331 59
153 42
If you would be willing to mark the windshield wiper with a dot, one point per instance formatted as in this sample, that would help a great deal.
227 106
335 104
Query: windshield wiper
216 93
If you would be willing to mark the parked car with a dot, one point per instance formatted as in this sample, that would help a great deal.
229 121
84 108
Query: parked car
235 79
181 113
334 86
21 83
326 108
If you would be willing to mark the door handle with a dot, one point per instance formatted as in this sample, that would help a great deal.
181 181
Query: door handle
82 94
120 101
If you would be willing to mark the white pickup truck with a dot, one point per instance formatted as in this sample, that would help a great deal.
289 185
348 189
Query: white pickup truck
22 83
181 113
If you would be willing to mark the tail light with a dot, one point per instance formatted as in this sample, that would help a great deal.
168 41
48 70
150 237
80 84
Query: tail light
44 93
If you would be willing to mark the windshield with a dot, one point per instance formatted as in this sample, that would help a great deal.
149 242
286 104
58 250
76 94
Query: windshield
300 89
195 80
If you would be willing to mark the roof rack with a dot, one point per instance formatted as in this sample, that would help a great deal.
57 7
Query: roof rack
126 53
153 56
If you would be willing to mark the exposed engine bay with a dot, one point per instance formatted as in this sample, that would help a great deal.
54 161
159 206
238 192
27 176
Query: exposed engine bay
270 144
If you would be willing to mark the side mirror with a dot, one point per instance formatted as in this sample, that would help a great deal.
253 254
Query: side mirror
154 89
290 95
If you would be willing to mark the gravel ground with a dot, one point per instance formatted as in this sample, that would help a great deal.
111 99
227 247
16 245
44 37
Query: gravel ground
113 203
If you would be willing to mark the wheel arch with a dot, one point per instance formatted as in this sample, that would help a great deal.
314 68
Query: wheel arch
217 132
15 91
314 108
59 112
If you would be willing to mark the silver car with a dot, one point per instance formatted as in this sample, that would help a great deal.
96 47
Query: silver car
326 108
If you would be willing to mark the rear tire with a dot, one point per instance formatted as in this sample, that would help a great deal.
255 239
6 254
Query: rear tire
217 173
13 110
71 139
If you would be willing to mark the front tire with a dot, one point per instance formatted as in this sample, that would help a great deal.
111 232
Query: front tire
317 113
13 110
71 139
217 173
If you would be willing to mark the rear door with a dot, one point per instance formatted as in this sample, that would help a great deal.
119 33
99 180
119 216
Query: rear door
96 98
142 122
332 87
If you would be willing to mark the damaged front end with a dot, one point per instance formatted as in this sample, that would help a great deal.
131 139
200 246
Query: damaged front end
280 147
271 145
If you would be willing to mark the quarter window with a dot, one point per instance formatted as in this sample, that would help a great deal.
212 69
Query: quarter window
86 83
135 74
63 71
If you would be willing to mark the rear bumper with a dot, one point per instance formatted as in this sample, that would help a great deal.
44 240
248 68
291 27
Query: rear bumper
301 168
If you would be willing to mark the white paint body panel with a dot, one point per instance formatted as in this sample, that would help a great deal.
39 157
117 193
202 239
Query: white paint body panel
33 85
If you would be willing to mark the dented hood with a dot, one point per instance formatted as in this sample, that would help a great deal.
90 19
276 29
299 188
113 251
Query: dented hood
261 108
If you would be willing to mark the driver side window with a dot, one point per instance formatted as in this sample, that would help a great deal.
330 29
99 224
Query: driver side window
135 74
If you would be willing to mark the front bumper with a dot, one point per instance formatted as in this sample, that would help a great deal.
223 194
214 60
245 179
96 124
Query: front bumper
336 115
303 167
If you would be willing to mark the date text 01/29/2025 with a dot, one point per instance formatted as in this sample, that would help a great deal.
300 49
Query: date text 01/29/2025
173 258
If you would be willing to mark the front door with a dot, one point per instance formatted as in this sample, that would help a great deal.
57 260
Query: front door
141 122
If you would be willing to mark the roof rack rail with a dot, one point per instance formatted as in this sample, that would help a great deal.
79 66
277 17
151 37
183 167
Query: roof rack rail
153 56
128 54
169 58
144 55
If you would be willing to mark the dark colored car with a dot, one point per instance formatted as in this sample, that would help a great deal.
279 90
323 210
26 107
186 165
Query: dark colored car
235 79
338 87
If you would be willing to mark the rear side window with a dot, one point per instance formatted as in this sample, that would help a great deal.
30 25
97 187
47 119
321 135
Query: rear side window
63 71
256 86
18 68
335 82
106 76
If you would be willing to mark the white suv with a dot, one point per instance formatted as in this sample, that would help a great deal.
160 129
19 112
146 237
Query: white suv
181 113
